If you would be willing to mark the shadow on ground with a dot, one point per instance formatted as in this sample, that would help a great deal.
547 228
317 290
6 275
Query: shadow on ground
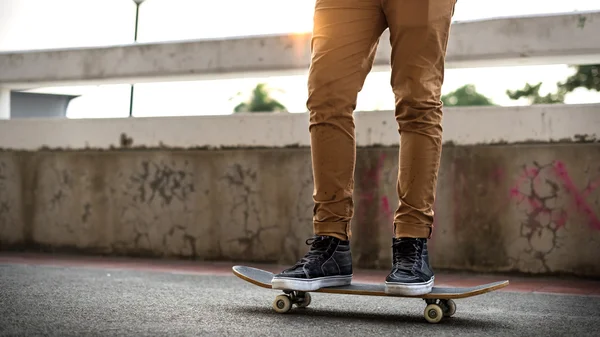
353 316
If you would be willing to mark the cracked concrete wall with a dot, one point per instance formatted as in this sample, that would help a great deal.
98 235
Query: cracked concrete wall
11 205
528 208
532 209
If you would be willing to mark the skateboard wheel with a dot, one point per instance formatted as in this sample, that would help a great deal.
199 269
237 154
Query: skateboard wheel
449 307
433 313
282 304
305 301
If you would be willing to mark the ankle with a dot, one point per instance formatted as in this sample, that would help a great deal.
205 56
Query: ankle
340 237
409 238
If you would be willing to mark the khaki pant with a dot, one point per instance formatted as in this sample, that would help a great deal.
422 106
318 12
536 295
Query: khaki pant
345 38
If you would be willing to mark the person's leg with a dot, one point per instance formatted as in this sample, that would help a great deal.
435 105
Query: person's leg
419 31
345 38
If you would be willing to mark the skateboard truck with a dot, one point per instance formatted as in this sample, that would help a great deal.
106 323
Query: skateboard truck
435 310
283 303
438 308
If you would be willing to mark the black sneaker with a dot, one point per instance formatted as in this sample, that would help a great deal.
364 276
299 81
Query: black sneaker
411 274
328 263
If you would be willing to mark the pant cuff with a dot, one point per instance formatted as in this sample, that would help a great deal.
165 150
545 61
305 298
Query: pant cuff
408 230
340 230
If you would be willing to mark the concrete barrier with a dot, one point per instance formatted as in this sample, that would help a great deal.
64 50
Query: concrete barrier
462 126
544 39
531 208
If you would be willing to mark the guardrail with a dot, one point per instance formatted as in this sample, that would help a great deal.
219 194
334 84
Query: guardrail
567 38
462 126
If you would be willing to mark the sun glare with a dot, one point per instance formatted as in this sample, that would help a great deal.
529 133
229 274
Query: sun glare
301 21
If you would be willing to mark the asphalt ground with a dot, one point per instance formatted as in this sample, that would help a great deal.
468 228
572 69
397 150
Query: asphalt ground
101 300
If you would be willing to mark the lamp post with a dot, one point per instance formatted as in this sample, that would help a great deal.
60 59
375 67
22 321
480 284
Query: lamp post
137 15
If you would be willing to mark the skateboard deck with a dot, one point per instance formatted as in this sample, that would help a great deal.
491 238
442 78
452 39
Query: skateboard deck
439 300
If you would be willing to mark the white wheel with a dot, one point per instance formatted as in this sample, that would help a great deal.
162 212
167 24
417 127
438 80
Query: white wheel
305 302
433 313
449 308
282 304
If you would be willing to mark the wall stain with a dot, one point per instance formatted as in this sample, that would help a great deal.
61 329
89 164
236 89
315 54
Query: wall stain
369 213
581 21
162 182
63 181
543 220
538 191
291 246
243 180
4 203
87 212
475 212
156 192
188 239
124 141
578 197
2 169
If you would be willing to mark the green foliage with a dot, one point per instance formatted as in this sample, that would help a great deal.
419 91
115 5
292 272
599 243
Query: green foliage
532 92
260 101
466 96
586 76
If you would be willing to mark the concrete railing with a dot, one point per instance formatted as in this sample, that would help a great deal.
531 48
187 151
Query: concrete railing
549 39
462 126
566 38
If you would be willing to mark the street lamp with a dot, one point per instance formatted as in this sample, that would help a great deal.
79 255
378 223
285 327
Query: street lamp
137 15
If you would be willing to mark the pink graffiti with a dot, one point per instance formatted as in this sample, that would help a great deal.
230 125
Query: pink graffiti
579 197
528 174
459 191
497 175
532 176
372 177
385 205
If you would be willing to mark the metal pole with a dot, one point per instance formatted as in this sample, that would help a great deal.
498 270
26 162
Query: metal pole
137 14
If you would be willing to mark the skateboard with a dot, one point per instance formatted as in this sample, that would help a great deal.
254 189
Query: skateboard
439 301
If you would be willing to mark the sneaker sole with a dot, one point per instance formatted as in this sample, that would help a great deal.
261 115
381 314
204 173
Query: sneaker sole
285 283
409 289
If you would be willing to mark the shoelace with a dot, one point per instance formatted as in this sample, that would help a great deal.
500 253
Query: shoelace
319 245
406 254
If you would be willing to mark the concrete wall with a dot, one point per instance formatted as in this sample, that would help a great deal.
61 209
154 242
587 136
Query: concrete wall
529 208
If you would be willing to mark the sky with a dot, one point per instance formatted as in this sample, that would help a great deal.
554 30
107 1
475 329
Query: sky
42 24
